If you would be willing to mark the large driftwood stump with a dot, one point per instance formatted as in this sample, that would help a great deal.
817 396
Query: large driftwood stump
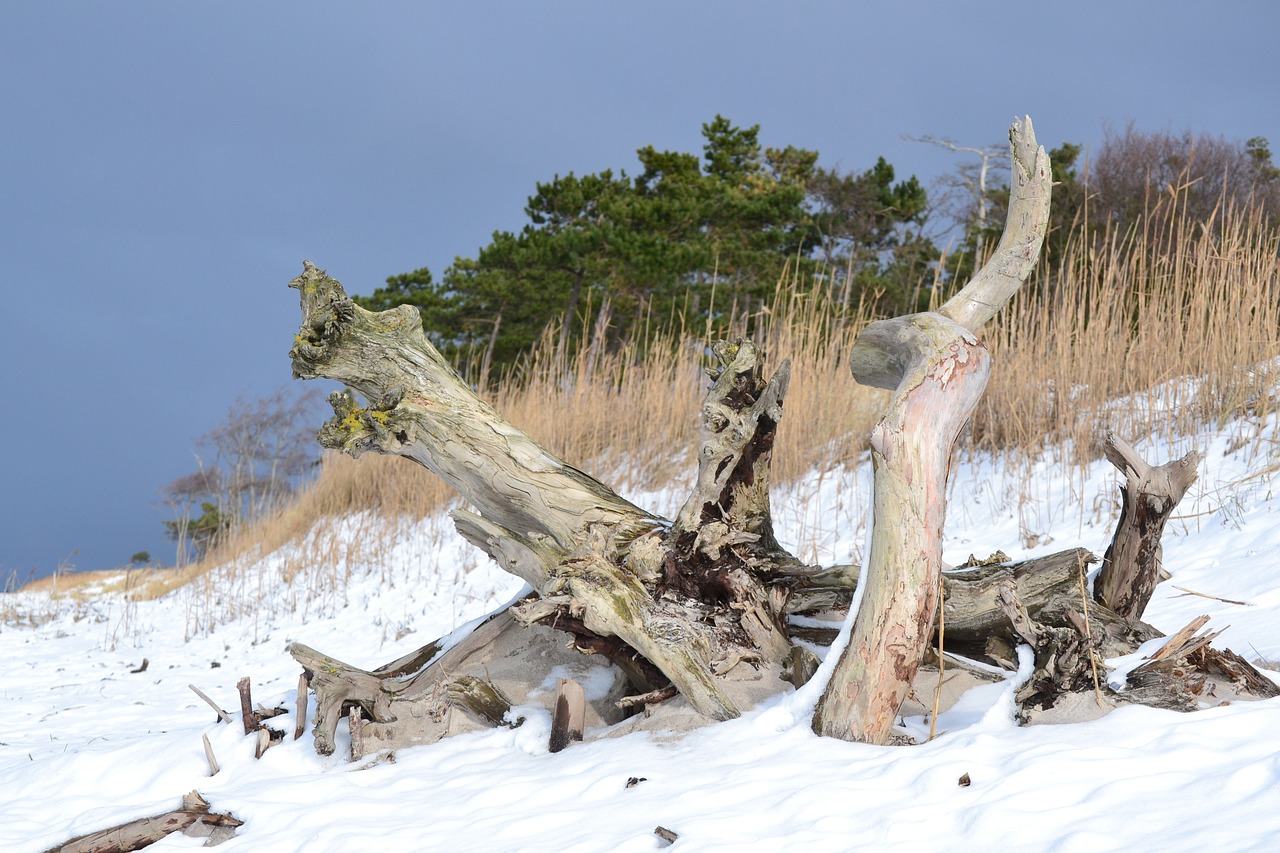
944 372
699 607
679 603
938 371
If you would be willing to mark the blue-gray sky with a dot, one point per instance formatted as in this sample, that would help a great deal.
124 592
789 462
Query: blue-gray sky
165 167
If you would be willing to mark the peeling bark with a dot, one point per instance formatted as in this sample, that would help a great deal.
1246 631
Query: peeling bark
944 371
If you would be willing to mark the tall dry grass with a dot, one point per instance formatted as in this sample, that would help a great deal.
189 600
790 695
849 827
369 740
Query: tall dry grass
1097 342
1141 333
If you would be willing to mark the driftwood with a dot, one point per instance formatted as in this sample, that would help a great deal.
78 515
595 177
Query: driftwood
700 607
222 715
209 756
193 818
304 690
942 375
938 371
246 706
1132 565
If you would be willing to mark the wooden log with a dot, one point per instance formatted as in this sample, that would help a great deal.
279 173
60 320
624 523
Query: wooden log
420 409
615 603
971 595
480 697
940 371
739 422
304 692
557 528
1131 566
339 686
653 697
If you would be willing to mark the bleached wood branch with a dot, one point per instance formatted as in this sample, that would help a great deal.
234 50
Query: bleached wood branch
1029 188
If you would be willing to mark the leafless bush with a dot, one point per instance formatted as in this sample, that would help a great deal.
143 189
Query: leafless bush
250 465
1162 174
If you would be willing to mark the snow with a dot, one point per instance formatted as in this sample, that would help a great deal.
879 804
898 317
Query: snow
85 743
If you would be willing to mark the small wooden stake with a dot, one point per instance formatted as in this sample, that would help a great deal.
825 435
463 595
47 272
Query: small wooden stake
226 718
246 706
208 753
355 719
570 714
303 687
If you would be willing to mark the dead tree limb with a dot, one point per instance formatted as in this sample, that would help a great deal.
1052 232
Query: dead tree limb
943 373
566 534
423 411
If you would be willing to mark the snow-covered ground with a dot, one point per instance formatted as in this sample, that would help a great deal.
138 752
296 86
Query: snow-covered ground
85 743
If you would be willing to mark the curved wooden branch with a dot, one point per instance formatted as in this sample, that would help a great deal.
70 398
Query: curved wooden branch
1030 180
938 371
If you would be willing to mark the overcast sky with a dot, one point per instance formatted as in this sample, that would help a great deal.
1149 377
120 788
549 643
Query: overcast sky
165 168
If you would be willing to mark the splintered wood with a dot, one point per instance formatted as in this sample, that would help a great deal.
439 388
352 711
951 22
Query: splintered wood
569 717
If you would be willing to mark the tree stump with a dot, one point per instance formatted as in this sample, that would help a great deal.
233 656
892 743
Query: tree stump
1132 565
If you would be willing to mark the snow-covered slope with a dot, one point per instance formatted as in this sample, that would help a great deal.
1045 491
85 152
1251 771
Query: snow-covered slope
85 743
